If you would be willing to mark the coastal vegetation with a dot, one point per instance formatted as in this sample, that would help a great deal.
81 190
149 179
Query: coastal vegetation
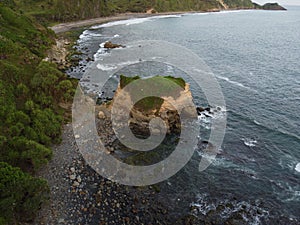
31 92
53 11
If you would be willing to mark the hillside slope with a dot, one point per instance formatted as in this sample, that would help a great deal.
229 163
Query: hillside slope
30 116
71 10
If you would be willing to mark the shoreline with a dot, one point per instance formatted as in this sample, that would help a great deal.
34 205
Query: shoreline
65 27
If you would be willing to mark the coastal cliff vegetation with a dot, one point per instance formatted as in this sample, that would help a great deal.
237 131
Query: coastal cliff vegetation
32 92
52 11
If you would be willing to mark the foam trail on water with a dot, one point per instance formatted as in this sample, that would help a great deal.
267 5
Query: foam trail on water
105 68
297 168
232 82
250 142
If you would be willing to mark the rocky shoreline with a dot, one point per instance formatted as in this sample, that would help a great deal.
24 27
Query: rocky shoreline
80 196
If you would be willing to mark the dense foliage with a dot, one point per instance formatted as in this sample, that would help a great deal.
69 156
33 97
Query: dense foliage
21 194
68 10
239 4
31 91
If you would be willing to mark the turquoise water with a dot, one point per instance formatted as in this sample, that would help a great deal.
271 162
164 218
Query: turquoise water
255 57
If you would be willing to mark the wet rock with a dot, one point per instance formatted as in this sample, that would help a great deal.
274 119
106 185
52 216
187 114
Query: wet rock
111 45
200 110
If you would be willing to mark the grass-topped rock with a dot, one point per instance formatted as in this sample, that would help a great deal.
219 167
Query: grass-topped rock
148 98
154 86
136 102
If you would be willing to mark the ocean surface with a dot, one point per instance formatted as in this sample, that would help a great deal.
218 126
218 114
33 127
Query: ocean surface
255 56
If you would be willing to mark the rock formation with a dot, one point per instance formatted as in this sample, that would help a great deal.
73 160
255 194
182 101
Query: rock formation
175 101
109 44
269 6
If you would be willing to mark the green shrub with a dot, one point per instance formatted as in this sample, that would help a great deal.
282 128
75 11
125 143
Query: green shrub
30 116
21 195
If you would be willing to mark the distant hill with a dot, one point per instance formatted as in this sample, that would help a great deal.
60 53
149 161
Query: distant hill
269 6
272 6
70 10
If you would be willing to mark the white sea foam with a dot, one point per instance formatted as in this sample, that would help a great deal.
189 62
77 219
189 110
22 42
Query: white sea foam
99 54
232 82
87 35
133 21
205 118
105 67
204 121
250 142
102 45
167 16
127 63
297 168
257 123
251 213
122 22
116 35
232 11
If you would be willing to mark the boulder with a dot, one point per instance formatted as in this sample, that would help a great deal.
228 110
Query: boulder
101 115
109 44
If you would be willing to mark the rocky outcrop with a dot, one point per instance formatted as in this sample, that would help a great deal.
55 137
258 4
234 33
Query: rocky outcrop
59 52
273 6
153 107
109 44
269 6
